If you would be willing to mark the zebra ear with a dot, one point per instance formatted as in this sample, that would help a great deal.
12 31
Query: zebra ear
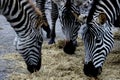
102 18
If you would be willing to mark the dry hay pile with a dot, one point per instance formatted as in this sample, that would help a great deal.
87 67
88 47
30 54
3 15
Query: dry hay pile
56 65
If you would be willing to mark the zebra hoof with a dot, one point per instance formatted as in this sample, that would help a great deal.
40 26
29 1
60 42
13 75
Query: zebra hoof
34 68
91 71
69 48
51 41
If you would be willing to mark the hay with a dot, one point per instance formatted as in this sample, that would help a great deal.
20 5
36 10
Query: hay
56 65
117 35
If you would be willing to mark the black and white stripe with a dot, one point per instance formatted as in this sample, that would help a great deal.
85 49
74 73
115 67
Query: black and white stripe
98 38
63 9
23 18
70 25
41 5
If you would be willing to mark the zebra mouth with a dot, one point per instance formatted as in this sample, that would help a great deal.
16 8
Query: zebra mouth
34 68
91 71
69 47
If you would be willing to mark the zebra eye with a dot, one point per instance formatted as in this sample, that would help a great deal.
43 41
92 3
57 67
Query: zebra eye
98 39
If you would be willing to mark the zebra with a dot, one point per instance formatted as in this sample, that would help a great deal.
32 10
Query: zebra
70 25
97 34
25 19
41 5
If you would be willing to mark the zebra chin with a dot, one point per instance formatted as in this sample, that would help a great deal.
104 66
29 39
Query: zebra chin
34 68
70 47
91 71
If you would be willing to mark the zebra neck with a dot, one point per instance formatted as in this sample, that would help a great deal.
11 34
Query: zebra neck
21 16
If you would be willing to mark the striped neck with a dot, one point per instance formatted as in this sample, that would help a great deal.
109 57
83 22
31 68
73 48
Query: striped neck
22 16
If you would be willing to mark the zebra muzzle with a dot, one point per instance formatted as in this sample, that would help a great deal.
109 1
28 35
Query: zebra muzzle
91 71
69 47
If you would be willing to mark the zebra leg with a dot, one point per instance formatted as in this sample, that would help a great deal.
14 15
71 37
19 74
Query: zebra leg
54 16
41 5
47 29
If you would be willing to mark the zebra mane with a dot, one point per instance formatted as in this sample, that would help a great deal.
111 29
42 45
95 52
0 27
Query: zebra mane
92 10
35 8
39 20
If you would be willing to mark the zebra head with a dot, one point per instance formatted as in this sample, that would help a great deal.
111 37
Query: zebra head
70 26
25 18
30 49
98 40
